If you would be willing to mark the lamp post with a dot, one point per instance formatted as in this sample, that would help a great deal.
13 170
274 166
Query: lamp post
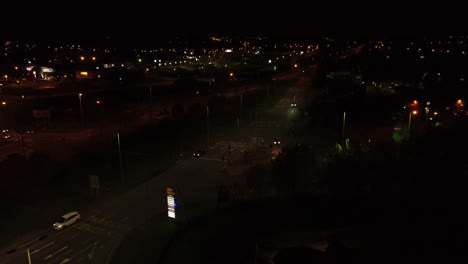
414 112
344 122
81 108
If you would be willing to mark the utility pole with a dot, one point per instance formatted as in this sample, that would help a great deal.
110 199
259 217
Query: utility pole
81 108
344 122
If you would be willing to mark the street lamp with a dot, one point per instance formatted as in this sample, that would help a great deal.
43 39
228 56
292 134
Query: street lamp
81 108
414 112
344 123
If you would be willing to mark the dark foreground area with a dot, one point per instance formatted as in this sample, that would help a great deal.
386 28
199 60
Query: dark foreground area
313 230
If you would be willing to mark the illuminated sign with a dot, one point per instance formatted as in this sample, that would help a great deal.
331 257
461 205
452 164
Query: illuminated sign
84 73
43 69
171 202
46 69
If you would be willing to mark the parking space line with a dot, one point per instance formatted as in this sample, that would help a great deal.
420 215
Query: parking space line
39 249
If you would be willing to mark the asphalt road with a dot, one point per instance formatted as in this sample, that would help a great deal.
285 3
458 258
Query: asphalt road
197 179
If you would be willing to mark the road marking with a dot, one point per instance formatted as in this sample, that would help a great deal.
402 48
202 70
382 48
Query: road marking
88 241
39 249
57 258
103 219
49 249
51 255
91 254
75 236
38 244
83 250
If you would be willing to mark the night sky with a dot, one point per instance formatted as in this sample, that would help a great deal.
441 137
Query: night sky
150 19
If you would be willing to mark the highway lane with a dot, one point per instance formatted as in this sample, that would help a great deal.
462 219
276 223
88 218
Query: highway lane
282 119
78 243
93 239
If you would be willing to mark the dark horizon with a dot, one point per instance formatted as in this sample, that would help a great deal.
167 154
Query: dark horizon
147 21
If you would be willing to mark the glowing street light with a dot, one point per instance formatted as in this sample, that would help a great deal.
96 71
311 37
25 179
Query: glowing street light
414 112
81 108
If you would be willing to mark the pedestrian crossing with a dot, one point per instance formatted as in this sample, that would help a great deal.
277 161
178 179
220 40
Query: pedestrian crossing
226 146
99 225
267 124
